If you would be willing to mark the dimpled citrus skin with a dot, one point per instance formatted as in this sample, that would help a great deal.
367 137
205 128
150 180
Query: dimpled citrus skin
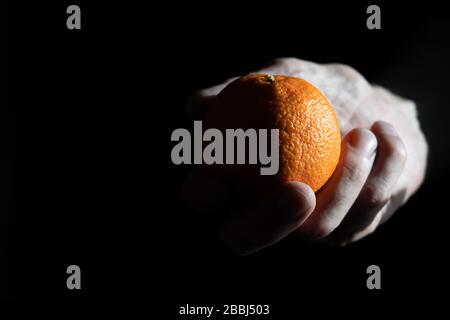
309 135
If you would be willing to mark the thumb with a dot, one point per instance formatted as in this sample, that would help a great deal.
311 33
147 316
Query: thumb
248 231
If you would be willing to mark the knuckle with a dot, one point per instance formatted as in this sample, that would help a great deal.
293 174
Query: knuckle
401 154
286 60
397 149
197 97
410 107
370 229
323 229
347 70
375 195
355 171
286 63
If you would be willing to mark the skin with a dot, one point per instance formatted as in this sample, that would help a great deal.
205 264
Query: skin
382 164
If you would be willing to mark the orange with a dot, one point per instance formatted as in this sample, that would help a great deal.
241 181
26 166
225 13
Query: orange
309 135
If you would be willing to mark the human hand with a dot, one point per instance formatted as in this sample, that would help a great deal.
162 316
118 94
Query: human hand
379 169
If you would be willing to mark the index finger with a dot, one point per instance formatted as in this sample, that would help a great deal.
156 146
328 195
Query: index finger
200 101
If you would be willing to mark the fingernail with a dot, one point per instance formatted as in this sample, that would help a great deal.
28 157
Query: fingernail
364 141
387 128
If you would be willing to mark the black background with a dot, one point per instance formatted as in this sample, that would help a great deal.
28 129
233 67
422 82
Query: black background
90 114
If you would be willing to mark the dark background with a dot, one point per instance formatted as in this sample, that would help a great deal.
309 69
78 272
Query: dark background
90 181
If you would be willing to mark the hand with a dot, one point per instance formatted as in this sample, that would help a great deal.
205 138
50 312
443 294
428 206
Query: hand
382 163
